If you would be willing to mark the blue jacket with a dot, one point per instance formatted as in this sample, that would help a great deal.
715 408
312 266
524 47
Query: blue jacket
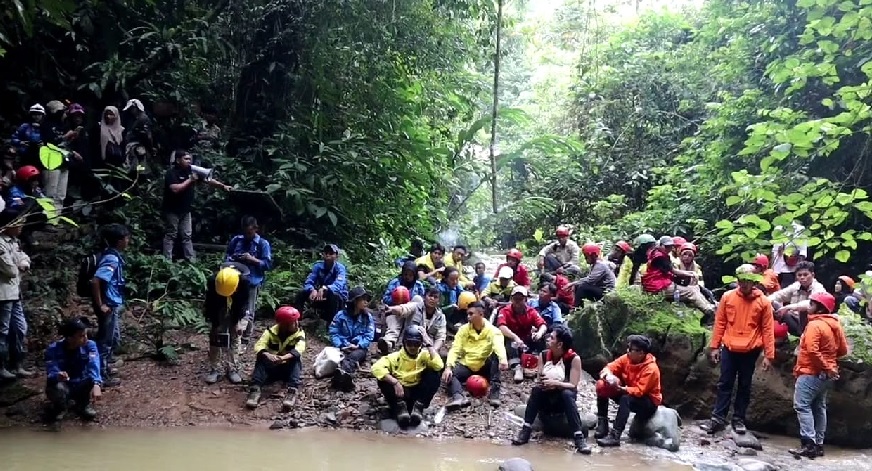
110 270
449 295
345 330
26 133
11 194
416 290
481 282
259 248
81 365
335 280
551 313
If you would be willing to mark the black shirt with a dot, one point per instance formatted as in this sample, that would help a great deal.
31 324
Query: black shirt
177 203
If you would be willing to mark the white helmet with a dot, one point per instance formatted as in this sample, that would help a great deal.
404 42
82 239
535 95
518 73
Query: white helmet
37 108
55 106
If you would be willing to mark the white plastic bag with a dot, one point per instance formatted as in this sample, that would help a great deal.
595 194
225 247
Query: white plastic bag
327 362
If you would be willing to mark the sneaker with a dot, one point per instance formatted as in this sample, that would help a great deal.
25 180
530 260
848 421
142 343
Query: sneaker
384 347
111 382
714 426
523 436
519 374
610 440
493 397
233 377
417 415
20 372
212 377
253 398
6 375
458 401
581 445
88 412
602 427
290 400
739 427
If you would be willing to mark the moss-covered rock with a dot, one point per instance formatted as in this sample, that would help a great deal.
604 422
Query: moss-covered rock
689 380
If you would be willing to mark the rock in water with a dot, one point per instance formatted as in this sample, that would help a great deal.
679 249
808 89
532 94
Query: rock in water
516 464
747 440
662 431
748 464
716 466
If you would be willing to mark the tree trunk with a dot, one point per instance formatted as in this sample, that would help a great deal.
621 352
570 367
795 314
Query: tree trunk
493 140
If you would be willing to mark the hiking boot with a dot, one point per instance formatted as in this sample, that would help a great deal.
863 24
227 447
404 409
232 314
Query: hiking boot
254 398
417 414
739 426
111 382
233 377
807 449
493 397
708 319
458 401
581 445
819 449
602 427
212 376
519 374
403 416
612 439
290 400
523 436
6 375
88 412
714 426
384 347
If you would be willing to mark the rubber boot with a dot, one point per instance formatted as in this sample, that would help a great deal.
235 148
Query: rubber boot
17 367
819 449
610 440
493 397
519 374
290 400
602 427
580 441
253 397
523 436
417 414
807 449
88 412
403 416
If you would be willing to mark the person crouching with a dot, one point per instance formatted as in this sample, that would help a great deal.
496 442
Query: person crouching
72 367
226 308
409 378
279 357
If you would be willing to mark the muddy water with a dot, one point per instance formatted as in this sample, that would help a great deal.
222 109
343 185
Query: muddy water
310 450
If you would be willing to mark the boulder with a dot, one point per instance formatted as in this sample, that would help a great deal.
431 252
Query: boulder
750 464
746 440
689 379
555 425
516 464
662 431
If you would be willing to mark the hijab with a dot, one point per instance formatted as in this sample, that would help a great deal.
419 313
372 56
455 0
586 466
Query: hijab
110 133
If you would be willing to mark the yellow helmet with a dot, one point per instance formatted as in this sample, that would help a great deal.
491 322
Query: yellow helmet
465 299
226 281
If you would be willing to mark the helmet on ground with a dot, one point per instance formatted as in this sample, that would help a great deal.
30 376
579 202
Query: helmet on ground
55 106
590 249
400 295
780 330
666 241
688 246
226 281
529 361
746 272
412 334
477 386
37 108
506 273
679 241
645 239
465 299
26 172
604 389
515 253
623 245
287 315
75 108
562 231
847 281
761 260
827 300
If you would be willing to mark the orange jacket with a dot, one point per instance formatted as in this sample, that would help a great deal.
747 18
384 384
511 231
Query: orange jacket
820 346
744 323
770 282
641 379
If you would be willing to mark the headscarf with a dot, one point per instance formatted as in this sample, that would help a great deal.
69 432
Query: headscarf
108 133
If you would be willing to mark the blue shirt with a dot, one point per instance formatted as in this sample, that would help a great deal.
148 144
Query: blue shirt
259 248
481 282
417 290
551 313
345 330
449 294
335 279
110 270
80 364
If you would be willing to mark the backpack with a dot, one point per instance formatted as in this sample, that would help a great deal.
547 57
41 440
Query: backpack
87 270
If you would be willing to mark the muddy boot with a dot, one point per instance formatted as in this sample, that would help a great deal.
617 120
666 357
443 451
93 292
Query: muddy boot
384 347
233 377
580 441
493 397
403 416
807 449
458 401
417 415
88 412
739 426
714 426
523 436
602 427
212 376
111 382
290 400
819 449
519 374
253 397
612 439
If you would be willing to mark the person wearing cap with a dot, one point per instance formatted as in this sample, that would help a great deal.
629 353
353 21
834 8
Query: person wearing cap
28 137
559 253
547 308
352 331
107 296
13 324
326 286
227 310
619 253
138 136
434 263
633 382
255 252
409 378
523 329
72 367
421 312
478 349
744 327
661 275
500 289
519 271
599 281
844 292
769 282
279 356
791 303
644 244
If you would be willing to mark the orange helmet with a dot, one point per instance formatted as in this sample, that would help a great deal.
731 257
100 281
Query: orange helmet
826 300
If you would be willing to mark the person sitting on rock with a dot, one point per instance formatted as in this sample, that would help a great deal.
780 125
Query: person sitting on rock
423 312
817 368
619 253
416 249
432 264
72 367
499 290
560 253
687 261
351 331
844 292
629 276
455 259
546 307
743 328
599 281
226 309
408 278
633 382
279 353
523 329
519 272
557 390
660 276
478 349
790 301
327 284
409 378
769 282
565 292
480 280
450 288
459 316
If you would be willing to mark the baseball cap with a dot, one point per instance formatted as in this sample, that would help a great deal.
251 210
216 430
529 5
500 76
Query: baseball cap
520 290
506 272
330 248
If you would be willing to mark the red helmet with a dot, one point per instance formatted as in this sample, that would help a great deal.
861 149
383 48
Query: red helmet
688 246
287 314
780 330
826 300
604 389
562 231
590 249
477 386
761 260
623 245
515 253
400 295
679 241
26 173
529 361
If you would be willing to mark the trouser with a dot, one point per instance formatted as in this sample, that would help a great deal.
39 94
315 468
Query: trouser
326 309
393 327
794 323
810 404
60 393
56 182
643 407
689 295
223 352
178 224
552 263
13 331
253 293
266 372
108 336
422 392
552 402
461 372
513 353
352 361
585 291
735 365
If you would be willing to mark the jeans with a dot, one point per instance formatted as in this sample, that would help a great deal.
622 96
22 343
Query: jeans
253 293
59 394
175 224
56 182
266 372
552 402
733 365
13 330
643 406
514 354
551 263
810 404
589 292
108 336
422 392
352 361
327 308
460 373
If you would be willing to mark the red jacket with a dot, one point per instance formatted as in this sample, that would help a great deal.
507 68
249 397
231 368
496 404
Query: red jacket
564 295
522 277
656 278
522 325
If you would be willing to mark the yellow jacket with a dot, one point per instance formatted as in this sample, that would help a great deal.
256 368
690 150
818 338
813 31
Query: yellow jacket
449 262
428 262
494 290
406 369
272 343
472 348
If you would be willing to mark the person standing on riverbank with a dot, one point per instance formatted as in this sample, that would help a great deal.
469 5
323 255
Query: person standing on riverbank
279 354
817 368
326 286
255 252
744 327
72 367
226 309
107 294
13 324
